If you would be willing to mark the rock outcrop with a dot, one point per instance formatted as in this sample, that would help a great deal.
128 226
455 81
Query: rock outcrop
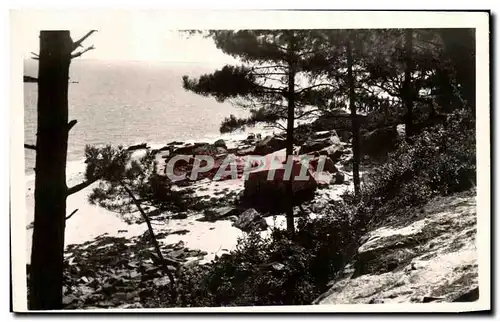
323 142
137 147
213 214
269 144
220 144
430 259
250 220
116 272
201 148
265 189
244 150
320 141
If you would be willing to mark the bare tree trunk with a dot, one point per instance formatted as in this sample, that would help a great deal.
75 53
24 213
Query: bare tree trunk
354 122
290 225
46 270
408 86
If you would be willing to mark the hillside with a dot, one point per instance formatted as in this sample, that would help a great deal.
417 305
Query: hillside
432 258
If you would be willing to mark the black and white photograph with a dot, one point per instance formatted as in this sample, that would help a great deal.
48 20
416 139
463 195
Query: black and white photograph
272 161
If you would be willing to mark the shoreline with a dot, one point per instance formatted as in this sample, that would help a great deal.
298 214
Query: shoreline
75 165
214 238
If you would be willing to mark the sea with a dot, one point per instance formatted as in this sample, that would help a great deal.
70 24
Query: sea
125 103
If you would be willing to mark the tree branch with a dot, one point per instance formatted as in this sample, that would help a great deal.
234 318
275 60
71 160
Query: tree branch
82 185
267 78
71 214
35 56
308 52
273 90
71 124
276 125
272 66
82 52
307 113
388 90
78 43
30 146
311 87
264 74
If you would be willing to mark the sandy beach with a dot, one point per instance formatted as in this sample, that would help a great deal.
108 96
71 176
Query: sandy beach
215 238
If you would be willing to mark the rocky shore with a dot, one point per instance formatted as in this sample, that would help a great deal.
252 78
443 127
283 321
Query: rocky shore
111 257
110 264
431 258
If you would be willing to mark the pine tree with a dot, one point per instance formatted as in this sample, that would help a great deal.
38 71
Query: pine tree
275 81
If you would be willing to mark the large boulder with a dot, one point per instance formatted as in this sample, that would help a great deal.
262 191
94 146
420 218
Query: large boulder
334 152
165 148
189 149
201 148
269 144
320 142
252 138
265 188
214 214
137 147
216 173
245 150
181 166
328 164
220 144
185 167
320 135
250 220
173 143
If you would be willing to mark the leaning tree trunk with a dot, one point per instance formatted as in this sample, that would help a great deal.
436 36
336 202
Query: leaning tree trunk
152 236
46 270
408 86
290 225
355 123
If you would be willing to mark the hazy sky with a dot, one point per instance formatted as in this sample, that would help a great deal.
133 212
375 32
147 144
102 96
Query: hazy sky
150 35
140 44
122 37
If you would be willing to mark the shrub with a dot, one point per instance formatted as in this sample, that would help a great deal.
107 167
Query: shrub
273 270
439 161
279 271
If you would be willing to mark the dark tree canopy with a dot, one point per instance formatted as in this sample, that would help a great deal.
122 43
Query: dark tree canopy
261 83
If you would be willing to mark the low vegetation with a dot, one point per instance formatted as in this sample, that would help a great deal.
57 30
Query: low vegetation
279 270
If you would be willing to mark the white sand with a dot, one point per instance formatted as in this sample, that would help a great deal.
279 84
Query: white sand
91 221
213 237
